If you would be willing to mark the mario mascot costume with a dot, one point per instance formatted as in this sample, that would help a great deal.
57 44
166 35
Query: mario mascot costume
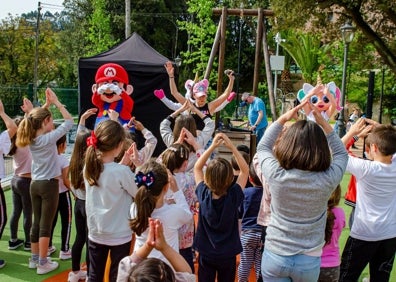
112 91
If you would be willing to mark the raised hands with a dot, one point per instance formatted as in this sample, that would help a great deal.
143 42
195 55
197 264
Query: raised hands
188 137
293 112
169 69
27 106
156 238
87 114
137 124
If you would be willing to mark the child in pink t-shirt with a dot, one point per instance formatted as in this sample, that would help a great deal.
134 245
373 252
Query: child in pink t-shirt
330 263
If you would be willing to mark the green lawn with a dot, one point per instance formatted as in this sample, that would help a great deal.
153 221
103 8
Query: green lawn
17 261
16 268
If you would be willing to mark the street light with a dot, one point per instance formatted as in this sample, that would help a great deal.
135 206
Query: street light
36 57
347 32
178 61
278 41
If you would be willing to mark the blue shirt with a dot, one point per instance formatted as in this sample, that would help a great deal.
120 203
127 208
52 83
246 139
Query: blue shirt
217 234
251 208
255 107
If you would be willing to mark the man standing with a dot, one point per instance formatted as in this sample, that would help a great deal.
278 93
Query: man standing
256 114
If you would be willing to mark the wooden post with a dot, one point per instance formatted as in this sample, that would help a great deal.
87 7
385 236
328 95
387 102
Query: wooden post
257 57
269 74
215 47
220 68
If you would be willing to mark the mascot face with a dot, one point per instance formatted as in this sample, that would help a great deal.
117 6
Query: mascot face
111 80
321 101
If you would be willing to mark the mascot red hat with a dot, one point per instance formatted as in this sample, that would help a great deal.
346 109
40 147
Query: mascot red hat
111 71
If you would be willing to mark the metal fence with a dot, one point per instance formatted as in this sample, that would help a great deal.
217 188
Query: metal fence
12 97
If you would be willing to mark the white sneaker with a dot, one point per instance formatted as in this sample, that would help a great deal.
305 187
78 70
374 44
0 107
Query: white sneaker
51 250
33 264
48 267
366 279
65 255
75 277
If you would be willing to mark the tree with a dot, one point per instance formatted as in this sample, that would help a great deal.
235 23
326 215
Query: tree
305 50
375 19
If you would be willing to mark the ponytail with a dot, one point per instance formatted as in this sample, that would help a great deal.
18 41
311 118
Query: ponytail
151 180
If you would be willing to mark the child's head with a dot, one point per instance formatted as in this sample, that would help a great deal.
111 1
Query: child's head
175 157
109 135
234 163
61 144
152 270
243 148
187 122
77 159
37 118
384 138
253 177
303 146
219 176
152 181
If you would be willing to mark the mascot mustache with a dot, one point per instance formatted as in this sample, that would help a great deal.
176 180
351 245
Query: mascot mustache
105 88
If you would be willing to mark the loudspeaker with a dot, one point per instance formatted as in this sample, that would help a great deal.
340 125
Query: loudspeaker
370 95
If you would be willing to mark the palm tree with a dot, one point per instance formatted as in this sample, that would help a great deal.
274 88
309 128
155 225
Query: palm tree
305 49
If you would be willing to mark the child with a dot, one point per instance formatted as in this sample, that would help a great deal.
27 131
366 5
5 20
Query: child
217 236
80 216
302 172
109 190
185 126
5 143
330 261
251 231
139 157
372 239
138 267
20 186
37 131
153 181
175 158
64 204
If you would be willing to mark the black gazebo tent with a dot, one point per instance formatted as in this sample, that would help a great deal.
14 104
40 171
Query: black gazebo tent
145 67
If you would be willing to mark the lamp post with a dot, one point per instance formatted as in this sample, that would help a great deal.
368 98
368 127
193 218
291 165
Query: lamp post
347 32
278 41
36 56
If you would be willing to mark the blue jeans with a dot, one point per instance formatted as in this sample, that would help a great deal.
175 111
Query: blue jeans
296 268
259 133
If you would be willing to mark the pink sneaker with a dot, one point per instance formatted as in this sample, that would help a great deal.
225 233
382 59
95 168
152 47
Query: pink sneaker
231 96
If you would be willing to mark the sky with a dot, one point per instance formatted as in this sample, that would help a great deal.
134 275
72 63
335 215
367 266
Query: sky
18 7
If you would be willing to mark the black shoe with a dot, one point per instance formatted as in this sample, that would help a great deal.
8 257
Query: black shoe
15 245
2 263
27 246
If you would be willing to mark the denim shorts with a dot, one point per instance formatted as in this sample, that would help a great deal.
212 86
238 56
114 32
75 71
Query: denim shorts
296 268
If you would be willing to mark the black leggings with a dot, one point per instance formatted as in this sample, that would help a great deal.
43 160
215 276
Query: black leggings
81 239
44 194
3 211
21 203
65 211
